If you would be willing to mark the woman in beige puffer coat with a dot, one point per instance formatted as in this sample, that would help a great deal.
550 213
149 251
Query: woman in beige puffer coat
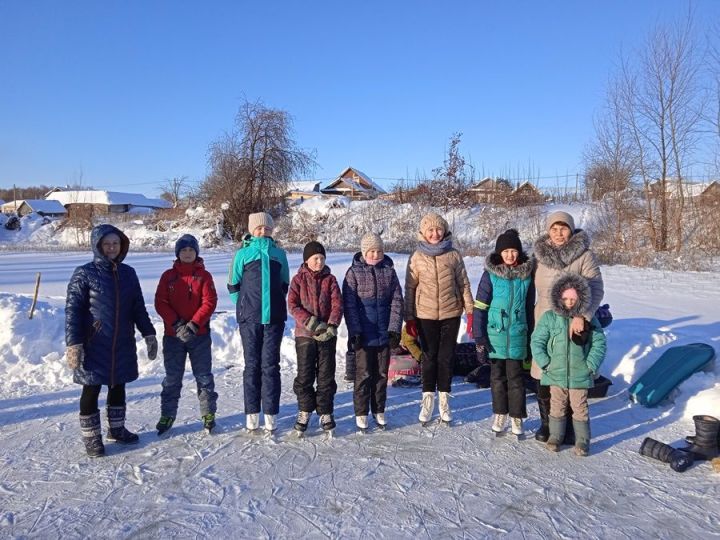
563 249
437 292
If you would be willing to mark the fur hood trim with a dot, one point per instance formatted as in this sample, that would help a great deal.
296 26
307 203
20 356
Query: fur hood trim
567 281
495 265
561 257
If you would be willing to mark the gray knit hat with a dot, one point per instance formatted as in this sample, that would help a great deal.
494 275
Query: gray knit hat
370 241
258 220
560 217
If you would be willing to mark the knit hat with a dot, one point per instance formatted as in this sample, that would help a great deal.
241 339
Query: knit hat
258 220
370 241
313 248
510 239
560 217
433 220
187 240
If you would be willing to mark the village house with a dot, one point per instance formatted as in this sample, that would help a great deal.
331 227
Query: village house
41 207
105 202
353 184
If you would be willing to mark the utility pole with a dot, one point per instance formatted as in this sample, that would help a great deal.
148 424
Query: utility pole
15 197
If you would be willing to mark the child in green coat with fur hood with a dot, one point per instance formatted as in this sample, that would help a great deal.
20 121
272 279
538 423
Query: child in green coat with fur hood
569 360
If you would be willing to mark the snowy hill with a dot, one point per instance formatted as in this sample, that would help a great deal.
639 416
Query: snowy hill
407 482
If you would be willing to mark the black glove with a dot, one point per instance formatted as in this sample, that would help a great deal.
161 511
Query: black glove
481 344
177 324
393 339
356 342
187 332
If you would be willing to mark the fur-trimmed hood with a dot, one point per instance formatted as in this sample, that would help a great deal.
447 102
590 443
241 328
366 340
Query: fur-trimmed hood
559 258
495 265
568 281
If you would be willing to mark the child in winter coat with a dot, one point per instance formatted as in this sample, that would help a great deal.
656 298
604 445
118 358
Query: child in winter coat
185 299
437 291
104 305
315 303
502 324
258 282
373 304
569 360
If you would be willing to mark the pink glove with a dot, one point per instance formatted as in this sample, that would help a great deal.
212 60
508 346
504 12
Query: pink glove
468 330
411 328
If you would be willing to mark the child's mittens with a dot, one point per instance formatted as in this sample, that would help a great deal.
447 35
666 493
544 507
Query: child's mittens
315 325
329 333
152 347
74 356
186 332
393 339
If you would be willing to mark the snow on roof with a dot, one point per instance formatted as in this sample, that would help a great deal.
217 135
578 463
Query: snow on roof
107 198
304 185
38 205
365 177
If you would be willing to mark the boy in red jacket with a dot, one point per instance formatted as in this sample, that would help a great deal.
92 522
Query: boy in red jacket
316 305
185 299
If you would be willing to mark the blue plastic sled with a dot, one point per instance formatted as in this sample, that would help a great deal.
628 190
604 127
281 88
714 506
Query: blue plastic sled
673 367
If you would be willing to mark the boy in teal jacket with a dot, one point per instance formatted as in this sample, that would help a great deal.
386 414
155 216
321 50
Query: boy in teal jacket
569 361
258 283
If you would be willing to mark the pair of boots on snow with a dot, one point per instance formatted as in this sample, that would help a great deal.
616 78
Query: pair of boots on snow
91 430
327 421
556 432
428 406
252 422
704 445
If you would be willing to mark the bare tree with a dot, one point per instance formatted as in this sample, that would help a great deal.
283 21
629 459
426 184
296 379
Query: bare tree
252 165
449 184
174 189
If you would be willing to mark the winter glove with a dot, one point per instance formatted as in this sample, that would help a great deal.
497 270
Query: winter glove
177 324
394 339
356 342
328 334
468 328
411 327
152 347
321 329
481 344
187 332
74 355
313 324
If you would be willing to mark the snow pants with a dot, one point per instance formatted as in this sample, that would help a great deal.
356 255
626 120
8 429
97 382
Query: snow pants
175 352
350 362
560 398
315 361
371 377
261 376
437 340
508 388
91 394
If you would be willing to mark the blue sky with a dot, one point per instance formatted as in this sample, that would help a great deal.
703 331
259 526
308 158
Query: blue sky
123 95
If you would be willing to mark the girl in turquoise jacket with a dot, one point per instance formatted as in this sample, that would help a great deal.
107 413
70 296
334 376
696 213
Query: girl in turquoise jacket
569 361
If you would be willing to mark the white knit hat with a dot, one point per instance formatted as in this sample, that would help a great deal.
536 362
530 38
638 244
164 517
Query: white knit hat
370 241
258 220
433 220
560 217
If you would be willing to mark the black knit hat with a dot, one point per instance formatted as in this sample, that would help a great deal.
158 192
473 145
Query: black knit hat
510 239
187 240
313 248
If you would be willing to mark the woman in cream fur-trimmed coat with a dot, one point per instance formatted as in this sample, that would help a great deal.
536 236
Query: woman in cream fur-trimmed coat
437 292
562 249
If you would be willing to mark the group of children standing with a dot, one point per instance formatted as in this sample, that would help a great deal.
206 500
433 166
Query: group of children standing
437 294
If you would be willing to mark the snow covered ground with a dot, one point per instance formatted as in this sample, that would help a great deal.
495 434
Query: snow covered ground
406 482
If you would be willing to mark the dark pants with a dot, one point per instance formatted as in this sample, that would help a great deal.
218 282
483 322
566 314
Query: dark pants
91 393
508 388
371 376
315 361
437 340
350 362
175 352
261 376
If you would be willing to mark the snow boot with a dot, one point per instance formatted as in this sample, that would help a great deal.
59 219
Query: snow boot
582 437
270 422
705 443
543 431
678 459
380 420
428 404
499 421
252 421
92 434
208 421
327 422
164 424
444 406
361 422
117 432
302 421
557 433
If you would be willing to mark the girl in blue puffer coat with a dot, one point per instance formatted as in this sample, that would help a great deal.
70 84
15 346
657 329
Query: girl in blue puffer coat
104 305
569 360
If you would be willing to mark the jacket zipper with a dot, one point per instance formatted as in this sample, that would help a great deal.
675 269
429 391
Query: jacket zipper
512 298
117 322
567 354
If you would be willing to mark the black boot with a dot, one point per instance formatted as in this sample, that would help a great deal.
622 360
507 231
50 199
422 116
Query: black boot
116 421
679 460
543 399
92 434
705 443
